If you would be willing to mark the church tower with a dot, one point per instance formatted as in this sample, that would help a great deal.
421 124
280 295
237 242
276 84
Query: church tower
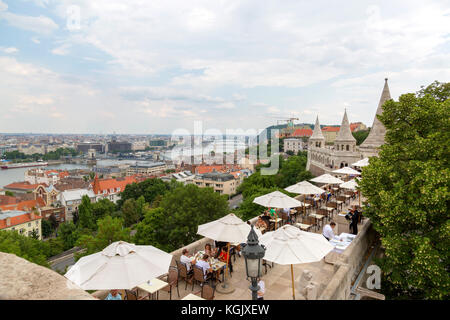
317 140
376 136
345 141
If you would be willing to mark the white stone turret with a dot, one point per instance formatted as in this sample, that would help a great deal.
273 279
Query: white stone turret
376 136
345 141
317 139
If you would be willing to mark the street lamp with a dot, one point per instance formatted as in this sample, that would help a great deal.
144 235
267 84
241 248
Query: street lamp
253 253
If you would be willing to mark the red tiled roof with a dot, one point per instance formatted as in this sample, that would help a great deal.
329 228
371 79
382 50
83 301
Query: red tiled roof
26 217
331 129
26 205
302 133
107 184
217 167
8 200
25 185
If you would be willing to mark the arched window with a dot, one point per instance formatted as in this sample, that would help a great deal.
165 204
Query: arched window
348 148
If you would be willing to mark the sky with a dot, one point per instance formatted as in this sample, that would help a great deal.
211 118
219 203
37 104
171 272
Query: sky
146 67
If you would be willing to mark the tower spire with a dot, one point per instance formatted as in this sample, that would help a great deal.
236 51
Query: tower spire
317 133
345 134
376 136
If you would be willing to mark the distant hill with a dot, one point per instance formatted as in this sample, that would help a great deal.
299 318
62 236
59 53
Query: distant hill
282 126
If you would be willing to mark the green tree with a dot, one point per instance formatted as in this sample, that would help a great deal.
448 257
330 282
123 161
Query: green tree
149 189
102 208
174 224
47 228
407 191
132 210
9 193
68 234
28 248
86 219
360 136
109 230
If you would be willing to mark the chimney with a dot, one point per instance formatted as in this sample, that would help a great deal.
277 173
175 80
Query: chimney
8 222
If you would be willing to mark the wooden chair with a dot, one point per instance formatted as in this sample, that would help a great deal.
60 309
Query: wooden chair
265 265
208 292
324 212
172 280
184 274
284 218
130 295
332 204
199 276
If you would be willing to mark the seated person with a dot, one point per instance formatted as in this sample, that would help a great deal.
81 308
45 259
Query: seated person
273 213
219 245
204 264
261 223
114 295
187 259
224 257
266 218
209 251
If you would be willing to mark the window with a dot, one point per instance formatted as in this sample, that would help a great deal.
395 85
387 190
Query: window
29 224
348 148
37 223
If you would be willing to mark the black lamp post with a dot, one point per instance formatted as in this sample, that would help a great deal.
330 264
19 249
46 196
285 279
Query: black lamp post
253 253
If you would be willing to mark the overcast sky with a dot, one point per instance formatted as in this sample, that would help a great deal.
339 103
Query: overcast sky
141 66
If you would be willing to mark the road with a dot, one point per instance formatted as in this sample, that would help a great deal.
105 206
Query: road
235 201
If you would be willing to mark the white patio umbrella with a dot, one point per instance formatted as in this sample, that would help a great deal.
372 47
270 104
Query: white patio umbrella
290 245
229 229
121 265
327 178
352 184
361 163
304 188
347 170
277 199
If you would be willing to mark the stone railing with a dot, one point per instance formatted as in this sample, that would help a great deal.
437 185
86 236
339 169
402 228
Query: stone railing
24 280
349 264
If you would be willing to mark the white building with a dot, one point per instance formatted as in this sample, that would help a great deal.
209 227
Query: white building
293 144
71 199
344 152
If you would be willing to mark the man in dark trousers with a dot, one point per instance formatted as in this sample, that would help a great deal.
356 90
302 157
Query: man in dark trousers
354 221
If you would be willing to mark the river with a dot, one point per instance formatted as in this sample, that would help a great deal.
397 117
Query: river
8 176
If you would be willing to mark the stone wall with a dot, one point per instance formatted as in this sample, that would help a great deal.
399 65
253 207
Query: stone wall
24 280
349 264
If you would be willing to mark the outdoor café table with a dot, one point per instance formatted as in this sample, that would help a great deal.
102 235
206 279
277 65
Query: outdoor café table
191 296
304 227
342 241
276 221
154 287
318 217
217 265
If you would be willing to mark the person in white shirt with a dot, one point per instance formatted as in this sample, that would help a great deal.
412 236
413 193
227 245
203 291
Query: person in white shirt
328 231
204 265
261 290
187 259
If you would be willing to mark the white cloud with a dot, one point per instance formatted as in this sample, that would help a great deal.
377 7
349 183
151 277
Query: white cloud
40 24
9 50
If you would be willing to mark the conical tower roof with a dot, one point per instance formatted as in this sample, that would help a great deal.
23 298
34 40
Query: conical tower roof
376 136
317 133
345 134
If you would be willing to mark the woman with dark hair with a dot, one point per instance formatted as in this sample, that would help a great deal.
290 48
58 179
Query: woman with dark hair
224 257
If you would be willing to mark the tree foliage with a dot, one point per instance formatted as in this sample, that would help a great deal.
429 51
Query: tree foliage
407 189
360 136
28 248
149 189
109 230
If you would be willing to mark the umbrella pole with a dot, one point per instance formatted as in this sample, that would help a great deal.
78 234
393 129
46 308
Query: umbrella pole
227 266
359 196
293 287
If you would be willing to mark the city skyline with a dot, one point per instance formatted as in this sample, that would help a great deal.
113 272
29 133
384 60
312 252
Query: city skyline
149 68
